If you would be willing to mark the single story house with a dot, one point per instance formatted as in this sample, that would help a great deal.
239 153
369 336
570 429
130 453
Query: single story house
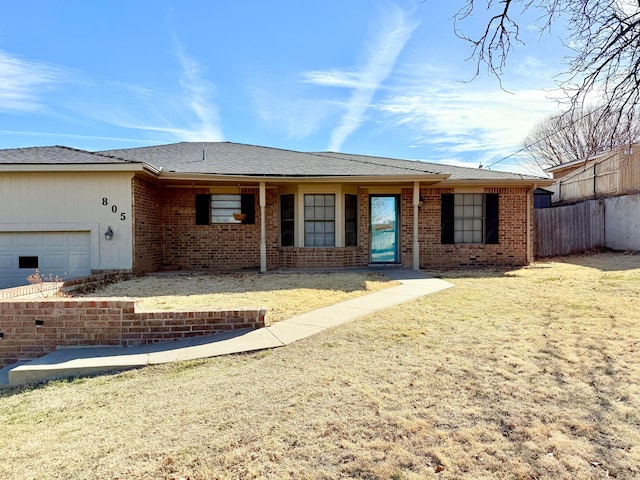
221 205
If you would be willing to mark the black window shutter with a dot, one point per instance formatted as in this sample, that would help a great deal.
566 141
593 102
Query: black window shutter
248 207
446 218
491 218
203 209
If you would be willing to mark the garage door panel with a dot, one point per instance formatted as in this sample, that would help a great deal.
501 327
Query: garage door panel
62 254
10 281
79 261
7 240
54 240
7 262
29 240
52 262
79 240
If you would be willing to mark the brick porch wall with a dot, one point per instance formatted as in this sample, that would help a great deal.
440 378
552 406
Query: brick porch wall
29 329
147 226
305 257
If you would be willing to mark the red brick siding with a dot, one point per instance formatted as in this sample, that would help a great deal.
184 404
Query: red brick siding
186 245
322 257
217 246
510 251
84 322
147 226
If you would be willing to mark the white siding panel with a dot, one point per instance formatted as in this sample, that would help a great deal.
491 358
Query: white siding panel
71 201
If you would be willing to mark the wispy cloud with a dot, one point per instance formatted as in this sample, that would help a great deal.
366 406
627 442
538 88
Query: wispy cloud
299 117
475 122
199 95
23 82
188 113
388 38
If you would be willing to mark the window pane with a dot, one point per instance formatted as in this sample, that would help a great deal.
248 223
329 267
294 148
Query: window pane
224 206
329 240
287 225
468 218
319 220
309 213
329 213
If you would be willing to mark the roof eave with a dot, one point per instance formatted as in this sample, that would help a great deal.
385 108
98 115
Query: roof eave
382 179
72 167
503 182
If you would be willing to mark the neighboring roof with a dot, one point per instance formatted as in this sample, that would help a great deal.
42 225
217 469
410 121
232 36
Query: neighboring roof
225 158
57 155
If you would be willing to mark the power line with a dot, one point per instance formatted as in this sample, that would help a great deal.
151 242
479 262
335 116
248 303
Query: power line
546 137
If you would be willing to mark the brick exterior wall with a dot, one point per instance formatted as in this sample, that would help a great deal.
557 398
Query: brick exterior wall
510 251
187 246
147 226
169 214
29 329
322 257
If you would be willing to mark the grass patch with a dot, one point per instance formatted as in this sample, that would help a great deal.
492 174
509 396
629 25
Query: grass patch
500 377
283 294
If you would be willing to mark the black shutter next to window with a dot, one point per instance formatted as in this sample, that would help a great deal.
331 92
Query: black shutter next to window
203 209
446 218
248 207
491 218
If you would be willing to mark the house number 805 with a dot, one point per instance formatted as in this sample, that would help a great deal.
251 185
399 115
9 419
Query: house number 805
114 208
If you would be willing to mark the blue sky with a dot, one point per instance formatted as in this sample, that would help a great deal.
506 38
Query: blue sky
386 78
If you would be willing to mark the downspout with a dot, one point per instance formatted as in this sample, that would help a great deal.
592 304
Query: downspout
416 209
263 228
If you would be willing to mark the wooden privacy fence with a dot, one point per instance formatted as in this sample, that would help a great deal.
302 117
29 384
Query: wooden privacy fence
569 229
616 173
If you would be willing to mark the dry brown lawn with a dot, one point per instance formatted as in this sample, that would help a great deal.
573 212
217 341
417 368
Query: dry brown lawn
531 373
283 294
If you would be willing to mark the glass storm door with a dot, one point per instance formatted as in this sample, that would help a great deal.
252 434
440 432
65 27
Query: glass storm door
384 229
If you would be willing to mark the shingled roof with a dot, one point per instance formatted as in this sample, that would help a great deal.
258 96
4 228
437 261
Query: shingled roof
235 159
226 158
57 155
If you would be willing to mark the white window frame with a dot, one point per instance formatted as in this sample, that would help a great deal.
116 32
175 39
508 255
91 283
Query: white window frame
224 206
468 218
316 212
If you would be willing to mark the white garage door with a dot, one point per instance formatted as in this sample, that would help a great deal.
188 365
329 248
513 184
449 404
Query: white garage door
62 254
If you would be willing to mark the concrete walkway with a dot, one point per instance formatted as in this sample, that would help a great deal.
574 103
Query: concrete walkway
71 362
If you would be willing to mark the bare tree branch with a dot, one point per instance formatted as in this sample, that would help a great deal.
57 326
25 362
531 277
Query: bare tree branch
604 36
578 135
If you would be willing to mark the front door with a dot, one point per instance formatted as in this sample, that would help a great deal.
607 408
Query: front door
385 227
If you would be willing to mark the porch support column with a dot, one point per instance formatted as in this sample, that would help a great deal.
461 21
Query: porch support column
263 228
416 209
